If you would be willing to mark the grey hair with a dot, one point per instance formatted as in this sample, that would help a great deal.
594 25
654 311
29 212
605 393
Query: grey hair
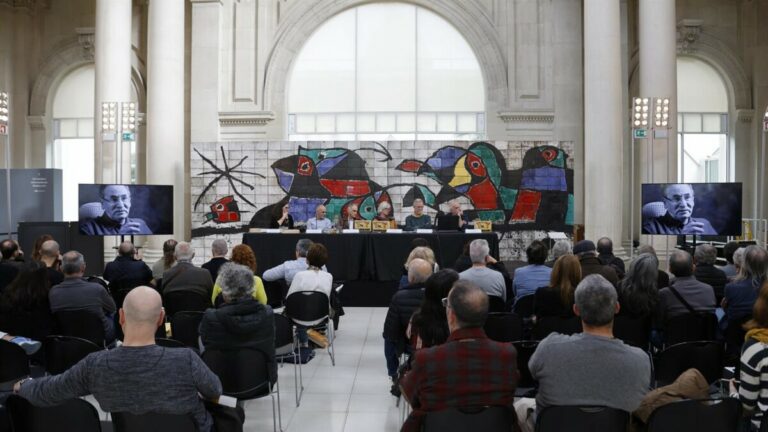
469 304
302 247
382 206
219 247
756 262
643 249
419 270
72 262
738 260
478 250
705 254
561 247
596 300
183 251
639 288
236 281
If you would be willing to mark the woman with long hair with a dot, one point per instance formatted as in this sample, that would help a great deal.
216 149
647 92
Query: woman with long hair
638 291
243 254
422 252
556 299
429 324
167 261
24 307
36 257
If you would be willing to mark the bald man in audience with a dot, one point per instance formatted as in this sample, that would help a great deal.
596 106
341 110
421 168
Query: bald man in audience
126 270
137 377
50 255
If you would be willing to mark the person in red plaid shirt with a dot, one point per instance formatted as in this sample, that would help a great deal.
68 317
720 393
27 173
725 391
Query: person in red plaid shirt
468 370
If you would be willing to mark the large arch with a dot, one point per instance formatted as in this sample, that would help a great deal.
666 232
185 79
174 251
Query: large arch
467 16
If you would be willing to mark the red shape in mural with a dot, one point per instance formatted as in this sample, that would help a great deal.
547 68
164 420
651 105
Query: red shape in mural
344 188
483 195
526 207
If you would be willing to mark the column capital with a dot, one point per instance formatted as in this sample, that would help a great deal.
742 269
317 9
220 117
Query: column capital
745 115
36 122
688 31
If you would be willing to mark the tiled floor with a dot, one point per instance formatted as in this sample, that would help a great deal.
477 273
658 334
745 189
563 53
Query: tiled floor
351 396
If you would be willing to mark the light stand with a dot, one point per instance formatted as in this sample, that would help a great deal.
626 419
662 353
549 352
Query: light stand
4 117
118 125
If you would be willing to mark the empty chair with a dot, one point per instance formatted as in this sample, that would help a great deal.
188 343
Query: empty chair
286 345
550 324
81 324
582 418
633 331
63 352
244 375
496 304
14 363
310 309
690 327
524 305
185 327
504 326
153 422
525 350
74 415
708 415
706 356
484 418
177 301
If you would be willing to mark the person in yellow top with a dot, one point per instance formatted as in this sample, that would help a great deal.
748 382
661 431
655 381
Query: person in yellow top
243 255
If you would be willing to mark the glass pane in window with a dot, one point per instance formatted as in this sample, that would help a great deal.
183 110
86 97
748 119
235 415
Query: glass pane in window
366 122
446 122
345 123
305 123
68 128
326 123
711 123
85 128
385 122
705 158
467 122
75 157
692 122
427 122
406 122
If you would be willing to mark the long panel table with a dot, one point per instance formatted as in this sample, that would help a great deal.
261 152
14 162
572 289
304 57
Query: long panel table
371 257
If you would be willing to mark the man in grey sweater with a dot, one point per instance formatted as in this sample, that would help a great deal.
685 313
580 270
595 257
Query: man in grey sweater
139 376
591 368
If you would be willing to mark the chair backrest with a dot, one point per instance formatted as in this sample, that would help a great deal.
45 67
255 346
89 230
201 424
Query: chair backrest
690 327
177 301
734 336
525 350
582 419
153 422
185 328
550 324
524 305
484 418
708 415
169 343
80 323
14 363
283 331
74 415
309 306
496 304
275 292
504 326
706 356
120 288
243 372
633 331
63 352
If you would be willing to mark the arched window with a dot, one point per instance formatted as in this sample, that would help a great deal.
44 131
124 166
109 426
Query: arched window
386 71
705 153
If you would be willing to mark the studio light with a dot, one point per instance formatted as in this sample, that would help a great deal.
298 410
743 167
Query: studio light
640 112
4 108
109 117
661 112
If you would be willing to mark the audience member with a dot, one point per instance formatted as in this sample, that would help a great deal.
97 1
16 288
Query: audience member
24 306
429 325
638 291
126 270
28 345
740 296
77 294
662 280
738 262
137 377
50 257
219 252
606 256
313 279
590 264
700 296
729 268
468 370
36 254
423 252
167 261
402 306
243 254
184 276
704 258
561 247
418 219
241 321
288 269
556 299
535 275
463 262
591 368
753 368
10 266
319 222
282 218
490 281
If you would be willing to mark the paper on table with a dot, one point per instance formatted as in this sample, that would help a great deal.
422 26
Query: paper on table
314 231
394 231
351 231
424 231
473 231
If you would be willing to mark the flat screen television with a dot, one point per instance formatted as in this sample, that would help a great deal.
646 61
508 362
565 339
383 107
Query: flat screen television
119 209
708 209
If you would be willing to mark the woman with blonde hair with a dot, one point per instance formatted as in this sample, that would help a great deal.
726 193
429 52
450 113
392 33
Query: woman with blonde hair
166 262
243 254
423 252
556 299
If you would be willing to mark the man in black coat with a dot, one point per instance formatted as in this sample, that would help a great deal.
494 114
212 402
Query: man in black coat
590 263
125 270
219 251
11 263
606 256
704 258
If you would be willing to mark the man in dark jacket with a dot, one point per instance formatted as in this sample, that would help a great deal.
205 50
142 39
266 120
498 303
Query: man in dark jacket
590 263
241 322
184 276
704 257
11 264
606 256
401 307
219 251
125 270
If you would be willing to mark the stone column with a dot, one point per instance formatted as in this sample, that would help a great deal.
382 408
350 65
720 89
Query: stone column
166 155
602 120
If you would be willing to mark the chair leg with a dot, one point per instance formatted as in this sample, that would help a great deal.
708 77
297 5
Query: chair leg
274 422
298 382
279 411
330 342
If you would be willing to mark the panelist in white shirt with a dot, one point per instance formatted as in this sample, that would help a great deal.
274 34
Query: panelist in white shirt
319 221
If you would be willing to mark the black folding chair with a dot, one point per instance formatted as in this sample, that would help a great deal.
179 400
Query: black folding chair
177 301
504 326
153 422
14 363
707 415
311 309
63 352
633 331
286 345
496 304
120 288
524 306
551 324
525 350
169 343
734 339
80 323
582 419
185 327
706 356
483 418
74 415
690 327
244 374
275 292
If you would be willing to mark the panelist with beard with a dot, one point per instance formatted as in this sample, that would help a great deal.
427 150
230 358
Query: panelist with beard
116 203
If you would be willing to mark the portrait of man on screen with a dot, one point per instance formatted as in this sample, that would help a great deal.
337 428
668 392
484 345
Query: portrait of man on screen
679 200
116 202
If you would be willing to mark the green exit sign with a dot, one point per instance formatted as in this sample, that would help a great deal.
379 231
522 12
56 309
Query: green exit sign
129 136
640 133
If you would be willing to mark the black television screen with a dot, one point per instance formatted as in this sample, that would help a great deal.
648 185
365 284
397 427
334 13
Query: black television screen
691 208
119 209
